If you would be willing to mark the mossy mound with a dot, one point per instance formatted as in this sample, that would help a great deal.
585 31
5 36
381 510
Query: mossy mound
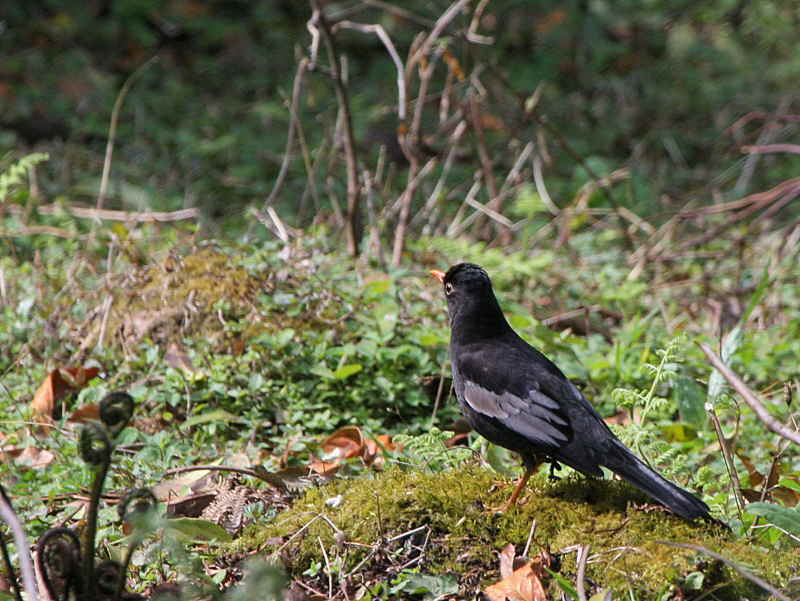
199 294
465 540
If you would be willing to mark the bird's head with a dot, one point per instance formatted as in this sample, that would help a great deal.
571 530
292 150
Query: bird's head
470 298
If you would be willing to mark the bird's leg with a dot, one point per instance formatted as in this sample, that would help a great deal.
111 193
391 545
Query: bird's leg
554 465
512 501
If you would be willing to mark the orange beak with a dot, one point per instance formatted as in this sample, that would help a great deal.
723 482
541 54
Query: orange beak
439 275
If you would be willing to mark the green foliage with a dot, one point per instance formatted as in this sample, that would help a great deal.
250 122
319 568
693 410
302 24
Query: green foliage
15 173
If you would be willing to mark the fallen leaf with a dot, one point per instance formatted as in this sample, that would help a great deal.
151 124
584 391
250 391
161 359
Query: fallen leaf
523 584
324 468
177 358
58 384
345 443
35 458
507 560
84 414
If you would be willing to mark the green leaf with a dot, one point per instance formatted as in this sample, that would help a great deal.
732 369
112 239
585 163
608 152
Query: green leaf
431 587
196 529
691 400
377 287
520 322
694 581
215 415
345 371
782 517
564 584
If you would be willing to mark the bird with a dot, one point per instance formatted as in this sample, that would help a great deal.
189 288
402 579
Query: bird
514 396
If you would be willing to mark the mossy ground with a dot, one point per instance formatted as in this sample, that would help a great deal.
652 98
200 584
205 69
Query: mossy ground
608 515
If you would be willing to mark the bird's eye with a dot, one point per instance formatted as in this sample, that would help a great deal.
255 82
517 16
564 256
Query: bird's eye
448 288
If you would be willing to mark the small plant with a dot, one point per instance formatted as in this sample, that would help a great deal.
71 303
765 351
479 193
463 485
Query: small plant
66 558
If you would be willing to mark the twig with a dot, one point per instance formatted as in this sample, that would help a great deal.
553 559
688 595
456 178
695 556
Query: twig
742 572
770 148
26 565
441 23
728 457
379 31
112 128
297 87
530 538
583 556
109 215
328 569
472 35
400 12
744 391
353 220
407 141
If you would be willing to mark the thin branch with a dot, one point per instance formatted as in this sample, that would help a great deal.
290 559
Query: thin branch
353 221
747 395
128 216
472 33
379 31
297 87
583 557
26 565
742 572
441 24
112 128
770 148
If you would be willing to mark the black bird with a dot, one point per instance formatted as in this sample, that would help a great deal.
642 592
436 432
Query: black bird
513 395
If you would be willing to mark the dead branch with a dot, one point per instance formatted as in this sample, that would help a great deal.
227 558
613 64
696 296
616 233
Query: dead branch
379 31
353 219
10 517
771 148
112 128
297 87
747 395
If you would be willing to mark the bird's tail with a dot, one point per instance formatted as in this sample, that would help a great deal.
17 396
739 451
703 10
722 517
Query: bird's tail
621 461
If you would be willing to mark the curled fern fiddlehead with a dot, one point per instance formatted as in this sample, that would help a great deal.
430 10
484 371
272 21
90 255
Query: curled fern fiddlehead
59 554
116 409
94 445
137 502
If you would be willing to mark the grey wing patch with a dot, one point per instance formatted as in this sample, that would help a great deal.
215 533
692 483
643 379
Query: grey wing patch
536 417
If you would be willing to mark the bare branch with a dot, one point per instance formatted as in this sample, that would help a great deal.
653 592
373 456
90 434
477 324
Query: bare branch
770 148
353 220
112 128
293 112
379 31
26 565
747 395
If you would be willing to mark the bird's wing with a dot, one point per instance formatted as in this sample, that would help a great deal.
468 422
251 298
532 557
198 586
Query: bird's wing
512 394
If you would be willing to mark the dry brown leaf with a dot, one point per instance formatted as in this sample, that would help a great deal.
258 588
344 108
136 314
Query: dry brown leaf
349 442
524 584
507 556
345 443
87 413
324 468
57 385
177 358
35 458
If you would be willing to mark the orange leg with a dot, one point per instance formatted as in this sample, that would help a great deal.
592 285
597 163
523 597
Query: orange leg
512 501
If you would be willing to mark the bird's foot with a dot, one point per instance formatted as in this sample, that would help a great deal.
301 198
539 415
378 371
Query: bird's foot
554 465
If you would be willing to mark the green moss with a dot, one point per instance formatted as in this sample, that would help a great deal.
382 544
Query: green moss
573 511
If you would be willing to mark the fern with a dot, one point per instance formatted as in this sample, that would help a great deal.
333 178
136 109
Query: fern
17 172
429 450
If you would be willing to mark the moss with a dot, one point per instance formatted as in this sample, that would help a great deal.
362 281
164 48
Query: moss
197 294
601 513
